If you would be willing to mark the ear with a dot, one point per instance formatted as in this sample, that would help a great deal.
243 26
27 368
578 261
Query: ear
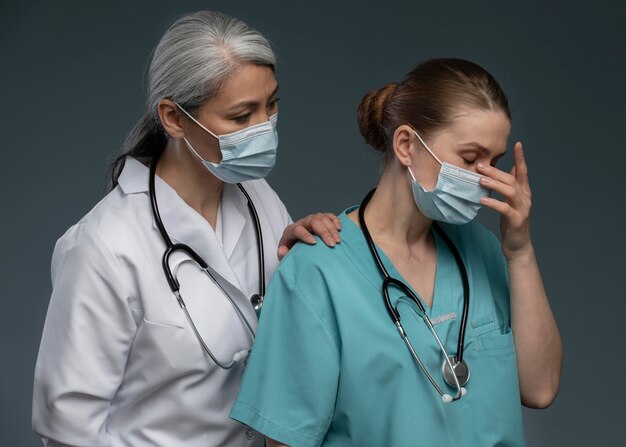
403 144
171 118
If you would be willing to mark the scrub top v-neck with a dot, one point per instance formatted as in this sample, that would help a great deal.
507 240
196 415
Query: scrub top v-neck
329 368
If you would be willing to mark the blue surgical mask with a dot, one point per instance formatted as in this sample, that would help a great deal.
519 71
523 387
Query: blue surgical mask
456 197
247 154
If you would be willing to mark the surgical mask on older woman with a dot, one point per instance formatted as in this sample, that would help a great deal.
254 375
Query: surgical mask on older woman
247 154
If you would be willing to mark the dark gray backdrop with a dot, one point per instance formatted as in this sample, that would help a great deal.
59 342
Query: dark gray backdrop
71 77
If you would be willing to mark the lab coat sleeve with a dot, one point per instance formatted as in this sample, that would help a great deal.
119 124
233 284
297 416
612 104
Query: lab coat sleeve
277 212
289 389
87 335
287 220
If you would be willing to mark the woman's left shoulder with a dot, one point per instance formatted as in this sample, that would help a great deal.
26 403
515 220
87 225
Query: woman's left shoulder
265 198
261 189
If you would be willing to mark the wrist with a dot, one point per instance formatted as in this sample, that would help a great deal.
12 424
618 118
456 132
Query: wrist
521 255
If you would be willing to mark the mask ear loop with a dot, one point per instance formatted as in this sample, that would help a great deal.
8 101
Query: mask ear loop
194 151
202 127
427 148
429 151
411 172
195 121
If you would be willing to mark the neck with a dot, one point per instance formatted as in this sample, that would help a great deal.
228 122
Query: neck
184 172
392 214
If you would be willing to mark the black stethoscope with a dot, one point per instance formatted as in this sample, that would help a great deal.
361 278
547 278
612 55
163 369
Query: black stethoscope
256 299
461 374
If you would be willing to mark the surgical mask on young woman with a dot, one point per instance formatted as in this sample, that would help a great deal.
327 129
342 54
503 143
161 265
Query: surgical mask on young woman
247 154
456 197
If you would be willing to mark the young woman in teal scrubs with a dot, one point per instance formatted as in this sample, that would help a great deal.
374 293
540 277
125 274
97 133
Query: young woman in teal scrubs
329 366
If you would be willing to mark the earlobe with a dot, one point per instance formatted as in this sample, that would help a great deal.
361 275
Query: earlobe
170 118
403 144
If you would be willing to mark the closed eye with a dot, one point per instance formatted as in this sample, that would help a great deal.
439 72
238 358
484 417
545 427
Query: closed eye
469 159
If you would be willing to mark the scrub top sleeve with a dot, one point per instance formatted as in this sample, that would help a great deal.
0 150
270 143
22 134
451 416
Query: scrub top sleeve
85 342
289 388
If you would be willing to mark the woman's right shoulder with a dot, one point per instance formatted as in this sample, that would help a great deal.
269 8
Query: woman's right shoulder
316 269
109 226
305 258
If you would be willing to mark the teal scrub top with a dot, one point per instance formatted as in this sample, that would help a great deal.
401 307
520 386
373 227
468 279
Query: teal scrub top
329 368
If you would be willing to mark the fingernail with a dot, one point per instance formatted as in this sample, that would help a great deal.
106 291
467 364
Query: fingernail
485 180
481 165
484 199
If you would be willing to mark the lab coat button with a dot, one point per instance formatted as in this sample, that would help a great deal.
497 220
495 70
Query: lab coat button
250 434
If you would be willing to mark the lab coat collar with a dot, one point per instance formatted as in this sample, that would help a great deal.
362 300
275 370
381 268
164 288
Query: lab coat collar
187 226
134 177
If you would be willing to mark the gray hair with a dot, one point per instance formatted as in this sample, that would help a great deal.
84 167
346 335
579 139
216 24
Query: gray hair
190 63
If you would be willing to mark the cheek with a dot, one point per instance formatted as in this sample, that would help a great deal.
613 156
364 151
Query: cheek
426 173
205 145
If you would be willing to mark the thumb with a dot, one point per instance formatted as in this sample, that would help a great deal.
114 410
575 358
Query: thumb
282 251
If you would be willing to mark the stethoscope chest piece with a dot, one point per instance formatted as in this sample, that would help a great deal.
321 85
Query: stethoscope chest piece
461 370
257 302
455 373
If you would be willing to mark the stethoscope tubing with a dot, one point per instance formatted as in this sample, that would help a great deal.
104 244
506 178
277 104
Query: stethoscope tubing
173 283
259 238
466 290
388 281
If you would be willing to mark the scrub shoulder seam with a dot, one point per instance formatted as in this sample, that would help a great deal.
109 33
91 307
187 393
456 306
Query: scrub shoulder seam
301 297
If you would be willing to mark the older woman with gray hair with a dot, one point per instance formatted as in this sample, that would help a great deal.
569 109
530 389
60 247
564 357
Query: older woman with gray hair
152 313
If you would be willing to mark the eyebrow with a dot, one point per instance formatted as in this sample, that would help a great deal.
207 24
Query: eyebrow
244 104
482 148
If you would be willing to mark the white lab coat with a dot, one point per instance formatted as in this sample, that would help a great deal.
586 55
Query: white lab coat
118 363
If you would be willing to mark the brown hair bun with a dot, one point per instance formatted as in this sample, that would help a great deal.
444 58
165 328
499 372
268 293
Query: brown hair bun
370 115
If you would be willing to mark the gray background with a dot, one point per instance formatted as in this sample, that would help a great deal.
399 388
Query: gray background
71 77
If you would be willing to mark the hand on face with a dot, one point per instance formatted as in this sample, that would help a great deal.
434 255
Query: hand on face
475 142
515 209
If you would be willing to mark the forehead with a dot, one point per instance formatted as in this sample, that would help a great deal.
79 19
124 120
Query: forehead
488 128
249 83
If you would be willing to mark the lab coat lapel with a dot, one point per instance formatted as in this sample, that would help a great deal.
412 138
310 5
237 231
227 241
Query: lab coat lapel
187 226
234 212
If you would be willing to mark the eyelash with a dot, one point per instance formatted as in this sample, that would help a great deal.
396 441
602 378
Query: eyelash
242 118
245 117
274 102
